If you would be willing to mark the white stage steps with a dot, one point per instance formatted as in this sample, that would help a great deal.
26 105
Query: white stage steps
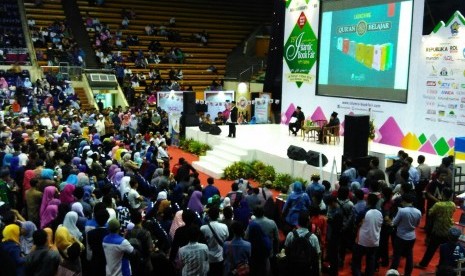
220 157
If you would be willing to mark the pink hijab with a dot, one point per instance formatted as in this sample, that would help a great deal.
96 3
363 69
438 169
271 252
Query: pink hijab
49 194
28 175
48 216
177 222
66 196
112 171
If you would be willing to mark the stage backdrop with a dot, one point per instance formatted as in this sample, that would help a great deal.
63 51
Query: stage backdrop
217 101
430 117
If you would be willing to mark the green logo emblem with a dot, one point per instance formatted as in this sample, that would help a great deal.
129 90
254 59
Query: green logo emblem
300 52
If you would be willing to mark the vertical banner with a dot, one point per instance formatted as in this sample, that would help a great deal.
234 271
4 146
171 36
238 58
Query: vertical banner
299 55
440 101
174 127
261 110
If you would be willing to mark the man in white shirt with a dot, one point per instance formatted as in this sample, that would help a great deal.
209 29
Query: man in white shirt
163 151
100 125
134 198
215 240
368 237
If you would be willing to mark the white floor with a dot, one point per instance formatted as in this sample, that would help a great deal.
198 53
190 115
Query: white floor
269 143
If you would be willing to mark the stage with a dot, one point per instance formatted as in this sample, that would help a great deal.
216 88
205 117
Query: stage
269 143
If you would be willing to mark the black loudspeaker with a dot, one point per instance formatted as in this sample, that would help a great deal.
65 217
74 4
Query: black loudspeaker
215 130
188 104
356 132
361 164
191 120
205 127
201 108
313 158
296 153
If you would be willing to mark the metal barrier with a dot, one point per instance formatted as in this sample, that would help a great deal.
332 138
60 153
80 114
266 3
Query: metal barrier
15 56
73 73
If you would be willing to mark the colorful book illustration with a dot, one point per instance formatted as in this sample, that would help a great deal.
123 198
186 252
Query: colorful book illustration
378 57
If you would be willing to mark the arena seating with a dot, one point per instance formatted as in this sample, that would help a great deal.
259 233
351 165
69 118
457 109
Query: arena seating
226 30
12 43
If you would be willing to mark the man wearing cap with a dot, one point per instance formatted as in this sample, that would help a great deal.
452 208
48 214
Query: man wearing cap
297 125
115 247
232 120
406 220
451 251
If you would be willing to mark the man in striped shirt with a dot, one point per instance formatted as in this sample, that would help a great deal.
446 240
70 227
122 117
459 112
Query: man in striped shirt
194 255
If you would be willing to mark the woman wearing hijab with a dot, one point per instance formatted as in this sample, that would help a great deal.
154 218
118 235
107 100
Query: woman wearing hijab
82 220
47 174
242 212
7 159
28 175
177 222
117 179
112 171
49 215
50 240
10 249
49 194
63 209
70 222
64 239
82 180
298 201
26 242
261 250
72 179
195 203
66 196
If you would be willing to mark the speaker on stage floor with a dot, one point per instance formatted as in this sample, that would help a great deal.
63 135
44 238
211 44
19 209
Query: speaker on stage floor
356 132
215 130
296 153
188 103
204 127
313 158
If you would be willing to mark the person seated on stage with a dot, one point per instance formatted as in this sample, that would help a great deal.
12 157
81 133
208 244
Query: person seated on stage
208 119
219 120
297 125
333 121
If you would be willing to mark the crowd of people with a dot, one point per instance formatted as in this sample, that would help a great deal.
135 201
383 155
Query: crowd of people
83 191
12 42
58 42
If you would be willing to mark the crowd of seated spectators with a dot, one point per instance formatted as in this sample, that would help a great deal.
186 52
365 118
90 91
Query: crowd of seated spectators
19 94
58 42
12 42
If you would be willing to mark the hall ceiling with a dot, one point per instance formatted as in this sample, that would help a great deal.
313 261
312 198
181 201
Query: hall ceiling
440 10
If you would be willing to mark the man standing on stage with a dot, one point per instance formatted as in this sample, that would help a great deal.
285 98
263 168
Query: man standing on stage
232 121
297 125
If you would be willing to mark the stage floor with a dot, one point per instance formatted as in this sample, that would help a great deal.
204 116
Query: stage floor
269 143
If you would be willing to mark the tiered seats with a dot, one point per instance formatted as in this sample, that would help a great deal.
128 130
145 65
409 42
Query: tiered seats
50 17
227 24
12 43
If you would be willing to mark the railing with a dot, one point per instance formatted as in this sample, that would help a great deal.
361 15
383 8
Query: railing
248 73
68 72
15 56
